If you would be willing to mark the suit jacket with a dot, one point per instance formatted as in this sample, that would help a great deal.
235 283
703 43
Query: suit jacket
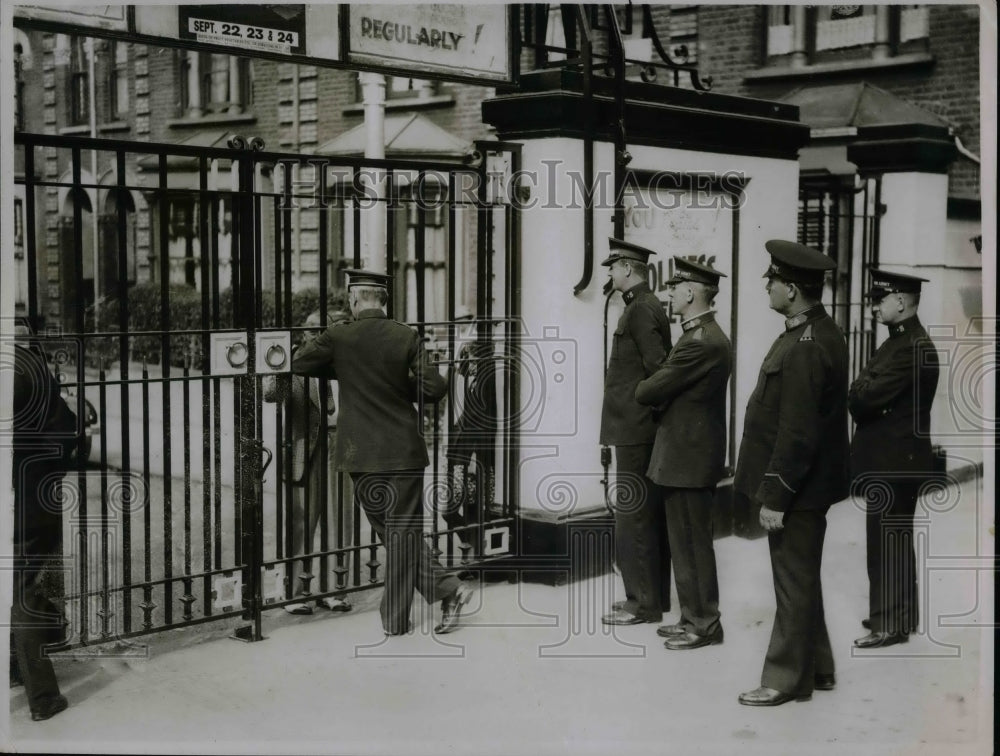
382 370
304 415
794 452
891 403
642 340
690 390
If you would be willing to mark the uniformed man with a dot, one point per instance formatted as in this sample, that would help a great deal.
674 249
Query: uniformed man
641 341
689 453
45 434
891 452
793 463
382 371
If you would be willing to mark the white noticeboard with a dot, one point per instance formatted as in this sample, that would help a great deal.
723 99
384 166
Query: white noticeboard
468 40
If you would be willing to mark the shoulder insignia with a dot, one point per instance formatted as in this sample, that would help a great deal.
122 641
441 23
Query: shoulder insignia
807 334
699 334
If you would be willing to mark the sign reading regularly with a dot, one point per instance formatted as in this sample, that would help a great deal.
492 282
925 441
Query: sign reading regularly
469 40
266 28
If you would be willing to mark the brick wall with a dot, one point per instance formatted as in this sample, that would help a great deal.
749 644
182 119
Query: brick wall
731 43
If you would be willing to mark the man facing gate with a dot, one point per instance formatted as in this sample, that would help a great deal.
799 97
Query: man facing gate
642 340
382 370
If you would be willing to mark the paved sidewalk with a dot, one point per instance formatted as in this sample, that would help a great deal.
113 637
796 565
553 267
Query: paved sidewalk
534 672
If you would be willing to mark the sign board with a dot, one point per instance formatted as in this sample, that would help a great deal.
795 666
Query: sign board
107 17
272 30
469 40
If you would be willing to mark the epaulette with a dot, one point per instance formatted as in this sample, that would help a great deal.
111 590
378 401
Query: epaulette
698 335
807 333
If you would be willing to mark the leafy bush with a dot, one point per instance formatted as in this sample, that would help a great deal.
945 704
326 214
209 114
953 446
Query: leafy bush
185 314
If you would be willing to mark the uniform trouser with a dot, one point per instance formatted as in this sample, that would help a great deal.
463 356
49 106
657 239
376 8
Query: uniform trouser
35 622
800 646
689 527
641 546
892 574
393 503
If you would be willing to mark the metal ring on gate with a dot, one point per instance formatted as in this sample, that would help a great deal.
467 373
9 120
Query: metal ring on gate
237 354
275 356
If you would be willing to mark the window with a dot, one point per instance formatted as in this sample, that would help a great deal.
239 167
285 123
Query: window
118 100
213 83
839 26
79 83
800 35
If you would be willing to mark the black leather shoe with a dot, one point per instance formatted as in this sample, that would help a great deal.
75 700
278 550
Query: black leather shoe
866 623
49 709
824 682
392 634
451 608
669 631
878 640
770 697
621 617
693 640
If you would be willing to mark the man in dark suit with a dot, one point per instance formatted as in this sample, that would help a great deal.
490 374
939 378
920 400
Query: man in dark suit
793 463
382 370
641 341
45 434
689 453
890 402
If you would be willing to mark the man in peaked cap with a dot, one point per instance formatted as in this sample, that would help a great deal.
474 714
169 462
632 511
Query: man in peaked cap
689 453
383 370
793 464
890 402
641 341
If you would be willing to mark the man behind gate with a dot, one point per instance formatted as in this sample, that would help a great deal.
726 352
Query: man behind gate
382 370
793 464
641 341
891 454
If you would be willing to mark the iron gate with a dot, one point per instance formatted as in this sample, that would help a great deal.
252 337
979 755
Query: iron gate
842 221
173 317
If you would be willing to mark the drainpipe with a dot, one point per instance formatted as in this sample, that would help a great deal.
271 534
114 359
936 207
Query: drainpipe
373 92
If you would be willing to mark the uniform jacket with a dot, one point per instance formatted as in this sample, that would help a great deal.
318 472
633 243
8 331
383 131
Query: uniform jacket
382 370
690 391
641 341
305 419
45 433
891 403
794 452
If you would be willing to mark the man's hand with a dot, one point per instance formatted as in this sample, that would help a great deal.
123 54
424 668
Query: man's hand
771 520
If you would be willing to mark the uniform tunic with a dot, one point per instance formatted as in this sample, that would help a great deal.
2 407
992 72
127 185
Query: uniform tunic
891 457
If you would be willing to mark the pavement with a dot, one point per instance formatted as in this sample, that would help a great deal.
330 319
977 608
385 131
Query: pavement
532 671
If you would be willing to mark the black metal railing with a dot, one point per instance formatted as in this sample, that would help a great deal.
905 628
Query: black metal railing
176 518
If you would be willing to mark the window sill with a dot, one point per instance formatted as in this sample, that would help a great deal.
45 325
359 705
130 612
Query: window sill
852 66
409 103
77 130
211 119
115 126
